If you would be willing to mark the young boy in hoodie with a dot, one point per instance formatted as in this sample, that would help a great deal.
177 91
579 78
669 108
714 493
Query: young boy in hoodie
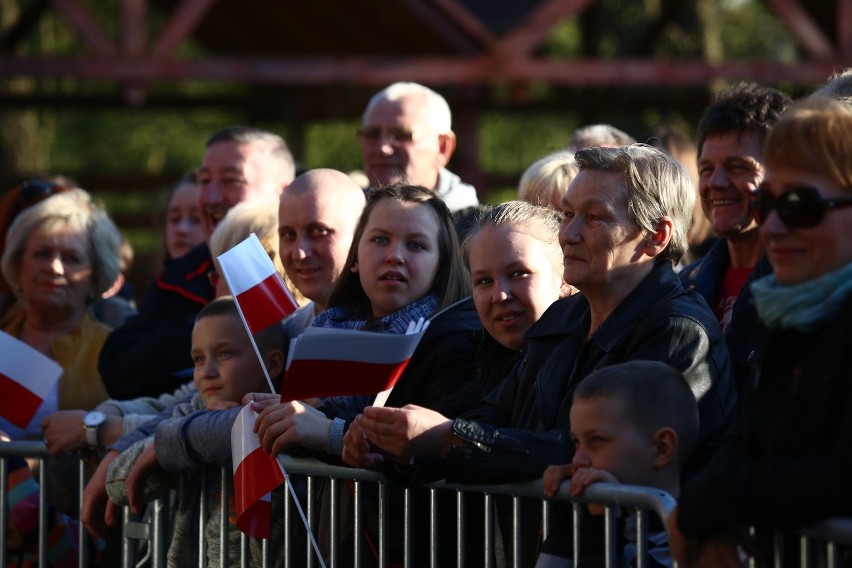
225 369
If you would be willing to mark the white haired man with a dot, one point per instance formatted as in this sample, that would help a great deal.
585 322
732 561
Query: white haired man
406 135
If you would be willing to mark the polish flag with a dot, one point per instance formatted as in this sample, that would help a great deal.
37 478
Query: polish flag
26 378
259 290
341 362
256 474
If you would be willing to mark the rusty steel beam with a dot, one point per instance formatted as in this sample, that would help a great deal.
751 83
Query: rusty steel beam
134 27
844 27
455 23
483 71
85 25
181 24
807 33
524 39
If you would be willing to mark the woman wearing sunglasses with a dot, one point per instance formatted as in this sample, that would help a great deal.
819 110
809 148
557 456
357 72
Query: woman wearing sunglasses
789 463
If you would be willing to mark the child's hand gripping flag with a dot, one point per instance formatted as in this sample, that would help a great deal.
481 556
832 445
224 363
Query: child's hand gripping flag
26 378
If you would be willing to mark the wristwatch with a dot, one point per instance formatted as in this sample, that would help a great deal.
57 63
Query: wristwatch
91 422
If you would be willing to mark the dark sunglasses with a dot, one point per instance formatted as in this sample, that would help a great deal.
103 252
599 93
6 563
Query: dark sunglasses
33 191
800 207
394 135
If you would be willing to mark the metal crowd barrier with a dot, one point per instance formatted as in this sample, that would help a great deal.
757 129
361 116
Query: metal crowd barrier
145 539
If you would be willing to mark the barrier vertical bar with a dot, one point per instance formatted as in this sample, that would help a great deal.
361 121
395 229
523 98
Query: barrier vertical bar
778 549
490 560
288 548
42 513
4 511
312 514
609 532
202 520
383 526
804 552
433 529
334 521
641 538
460 529
575 532
516 532
406 527
224 481
356 524
82 549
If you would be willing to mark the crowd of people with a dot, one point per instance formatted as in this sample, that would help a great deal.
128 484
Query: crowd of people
655 313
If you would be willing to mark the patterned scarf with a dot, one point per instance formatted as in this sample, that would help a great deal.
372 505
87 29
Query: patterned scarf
345 317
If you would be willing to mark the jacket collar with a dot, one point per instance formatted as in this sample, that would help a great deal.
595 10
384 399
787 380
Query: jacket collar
571 316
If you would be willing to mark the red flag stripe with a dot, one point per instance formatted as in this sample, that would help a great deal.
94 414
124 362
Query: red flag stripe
256 475
265 303
308 378
18 404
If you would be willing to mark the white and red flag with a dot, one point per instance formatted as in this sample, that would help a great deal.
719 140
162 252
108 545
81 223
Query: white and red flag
256 474
341 362
27 377
259 290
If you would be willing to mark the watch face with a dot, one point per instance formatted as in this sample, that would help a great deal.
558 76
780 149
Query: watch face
94 418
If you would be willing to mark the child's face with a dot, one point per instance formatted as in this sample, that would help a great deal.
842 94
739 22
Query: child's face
183 221
514 281
226 367
606 438
397 255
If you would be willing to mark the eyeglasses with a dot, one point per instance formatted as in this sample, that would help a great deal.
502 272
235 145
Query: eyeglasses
35 190
799 207
395 136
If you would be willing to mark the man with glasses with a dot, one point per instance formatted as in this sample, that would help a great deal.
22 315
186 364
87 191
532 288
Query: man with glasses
406 135
730 168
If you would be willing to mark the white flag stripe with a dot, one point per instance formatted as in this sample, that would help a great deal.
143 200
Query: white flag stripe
246 265
355 346
243 440
25 365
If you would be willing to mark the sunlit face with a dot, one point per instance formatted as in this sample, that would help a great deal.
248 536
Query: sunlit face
729 169
416 161
600 243
232 172
514 281
184 230
226 367
315 232
799 255
605 438
397 255
56 269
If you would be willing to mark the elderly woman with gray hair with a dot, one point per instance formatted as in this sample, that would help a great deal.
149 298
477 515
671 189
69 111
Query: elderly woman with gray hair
60 256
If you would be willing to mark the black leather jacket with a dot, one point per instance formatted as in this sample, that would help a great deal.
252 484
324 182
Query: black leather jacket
521 426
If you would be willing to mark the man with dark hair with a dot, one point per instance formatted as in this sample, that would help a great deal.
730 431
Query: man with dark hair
146 356
730 168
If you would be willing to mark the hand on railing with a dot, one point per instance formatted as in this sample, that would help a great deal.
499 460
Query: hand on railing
98 513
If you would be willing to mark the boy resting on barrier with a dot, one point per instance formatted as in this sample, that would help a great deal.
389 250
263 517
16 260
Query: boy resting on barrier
633 423
226 368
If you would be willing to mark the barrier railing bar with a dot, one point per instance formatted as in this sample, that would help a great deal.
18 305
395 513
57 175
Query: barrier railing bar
383 526
335 521
433 528
356 523
461 537
832 534
641 538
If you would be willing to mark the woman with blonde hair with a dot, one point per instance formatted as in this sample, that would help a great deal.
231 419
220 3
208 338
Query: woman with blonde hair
61 255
